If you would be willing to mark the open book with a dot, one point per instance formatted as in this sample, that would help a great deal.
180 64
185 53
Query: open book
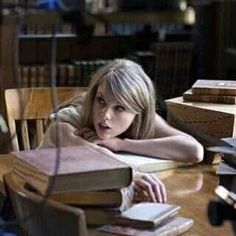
147 164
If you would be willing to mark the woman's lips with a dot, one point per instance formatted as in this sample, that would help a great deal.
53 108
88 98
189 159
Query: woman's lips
103 126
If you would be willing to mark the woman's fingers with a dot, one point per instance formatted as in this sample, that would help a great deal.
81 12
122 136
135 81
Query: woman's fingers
159 188
146 186
150 188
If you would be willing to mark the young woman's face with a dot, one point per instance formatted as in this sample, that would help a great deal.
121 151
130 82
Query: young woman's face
110 118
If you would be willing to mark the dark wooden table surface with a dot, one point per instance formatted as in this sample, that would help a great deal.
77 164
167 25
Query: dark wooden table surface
192 188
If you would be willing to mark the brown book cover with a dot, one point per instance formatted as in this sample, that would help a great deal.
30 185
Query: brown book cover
104 198
98 216
217 87
175 226
147 215
223 99
81 168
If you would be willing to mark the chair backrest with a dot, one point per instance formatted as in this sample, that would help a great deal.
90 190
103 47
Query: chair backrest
28 110
50 218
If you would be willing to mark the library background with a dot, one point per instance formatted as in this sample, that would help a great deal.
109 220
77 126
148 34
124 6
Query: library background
176 42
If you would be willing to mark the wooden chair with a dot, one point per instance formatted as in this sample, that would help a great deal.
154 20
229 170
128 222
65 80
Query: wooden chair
27 112
47 219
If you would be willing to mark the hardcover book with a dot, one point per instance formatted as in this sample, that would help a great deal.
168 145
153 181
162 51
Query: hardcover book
175 226
147 215
224 99
217 87
103 198
80 168
97 216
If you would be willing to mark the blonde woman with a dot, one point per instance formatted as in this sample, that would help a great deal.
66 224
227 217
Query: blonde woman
118 113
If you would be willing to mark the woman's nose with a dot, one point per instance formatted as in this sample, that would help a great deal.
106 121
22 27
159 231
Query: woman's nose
106 113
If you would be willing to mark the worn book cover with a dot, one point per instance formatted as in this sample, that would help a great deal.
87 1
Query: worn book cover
218 87
78 168
97 216
104 198
173 227
147 214
189 96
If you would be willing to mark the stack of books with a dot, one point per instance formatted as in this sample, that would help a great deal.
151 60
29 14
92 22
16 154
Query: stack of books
85 176
226 169
153 219
88 176
212 91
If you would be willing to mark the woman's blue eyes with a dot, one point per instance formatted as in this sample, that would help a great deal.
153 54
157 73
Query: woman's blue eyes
101 101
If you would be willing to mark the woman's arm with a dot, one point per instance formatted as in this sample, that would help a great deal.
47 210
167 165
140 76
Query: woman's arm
169 143
61 134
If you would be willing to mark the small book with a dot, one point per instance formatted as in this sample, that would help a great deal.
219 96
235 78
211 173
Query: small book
189 96
217 87
225 169
226 173
103 198
80 168
173 227
227 147
147 215
147 164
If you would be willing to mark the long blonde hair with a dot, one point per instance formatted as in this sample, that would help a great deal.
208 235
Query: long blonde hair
132 88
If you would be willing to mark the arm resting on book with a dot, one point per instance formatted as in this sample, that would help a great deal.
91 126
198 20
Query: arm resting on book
66 134
168 143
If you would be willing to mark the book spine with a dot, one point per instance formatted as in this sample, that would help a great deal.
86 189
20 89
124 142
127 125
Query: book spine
30 175
209 98
216 91
113 181
100 216
112 198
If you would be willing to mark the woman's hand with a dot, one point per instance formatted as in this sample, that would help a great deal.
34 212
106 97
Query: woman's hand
147 187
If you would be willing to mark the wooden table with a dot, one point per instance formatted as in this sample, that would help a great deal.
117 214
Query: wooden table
191 187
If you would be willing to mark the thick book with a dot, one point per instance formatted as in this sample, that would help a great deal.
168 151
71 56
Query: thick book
97 216
147 215
226 169
175 226
189 96
102 198
147 164
227 175
81 168
227 149
217 87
